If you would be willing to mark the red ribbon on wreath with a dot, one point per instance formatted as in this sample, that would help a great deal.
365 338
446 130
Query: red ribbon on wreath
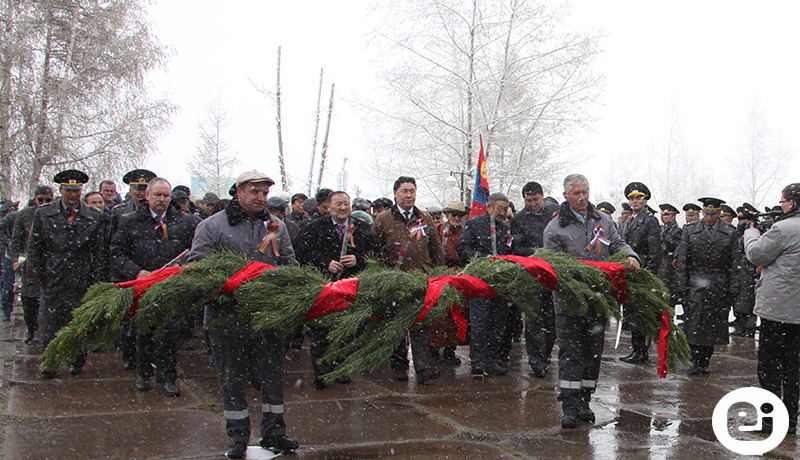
470 286
539 268
248 273
141 285
616 273
335 296
663 344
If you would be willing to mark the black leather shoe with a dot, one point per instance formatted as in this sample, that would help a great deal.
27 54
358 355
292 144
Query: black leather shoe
586 414
75 370
343 380
319 382
48 374
28 336
401 376
494 369
696 370
636 357
279 443
142 384
237 450
170 389
427 375
128 366
538 372
569 421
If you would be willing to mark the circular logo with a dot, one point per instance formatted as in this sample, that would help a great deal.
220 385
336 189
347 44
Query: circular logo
769 410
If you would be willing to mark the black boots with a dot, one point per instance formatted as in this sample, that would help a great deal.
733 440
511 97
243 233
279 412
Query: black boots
640 347
279 443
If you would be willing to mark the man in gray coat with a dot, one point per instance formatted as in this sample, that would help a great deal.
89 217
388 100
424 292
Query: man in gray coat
239 351
580 338
777 251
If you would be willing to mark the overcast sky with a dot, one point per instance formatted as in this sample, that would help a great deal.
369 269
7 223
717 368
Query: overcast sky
709 60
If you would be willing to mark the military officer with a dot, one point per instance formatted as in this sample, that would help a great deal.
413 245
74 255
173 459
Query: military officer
670 239
137 180
748 277
705 277
727 214
641 232
623 216
691 212
67 253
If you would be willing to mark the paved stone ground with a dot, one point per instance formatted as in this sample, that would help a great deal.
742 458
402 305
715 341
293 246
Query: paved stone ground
98 415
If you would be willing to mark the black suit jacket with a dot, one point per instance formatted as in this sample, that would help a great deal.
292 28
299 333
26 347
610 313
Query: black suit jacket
318 244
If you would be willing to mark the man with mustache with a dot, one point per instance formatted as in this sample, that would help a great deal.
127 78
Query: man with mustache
145 241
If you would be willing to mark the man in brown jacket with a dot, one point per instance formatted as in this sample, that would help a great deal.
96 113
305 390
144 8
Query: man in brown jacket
407 239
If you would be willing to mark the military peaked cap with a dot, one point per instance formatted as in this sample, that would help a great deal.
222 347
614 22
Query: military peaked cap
635 189
711 205
667 208
606 207
71 179
138 177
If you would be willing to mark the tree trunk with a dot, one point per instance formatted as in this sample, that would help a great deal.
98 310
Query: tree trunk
316 131
281 161
324 153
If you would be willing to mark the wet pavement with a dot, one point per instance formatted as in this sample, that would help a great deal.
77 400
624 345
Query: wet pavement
98 415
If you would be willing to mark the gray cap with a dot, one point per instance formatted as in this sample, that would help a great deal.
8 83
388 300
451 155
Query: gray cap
253 176
178 194
276 203
310 206
210 198
433 210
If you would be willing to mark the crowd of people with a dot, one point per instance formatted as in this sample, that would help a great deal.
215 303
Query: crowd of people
61 245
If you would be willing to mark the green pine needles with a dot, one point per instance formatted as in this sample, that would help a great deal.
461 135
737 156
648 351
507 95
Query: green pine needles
364 335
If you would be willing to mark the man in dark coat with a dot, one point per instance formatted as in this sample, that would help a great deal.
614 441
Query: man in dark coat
407 240
297 214
8 211
705 278
527 227
67 253
748 277
338 247
29 294
641 232
137 180
487 235
580 337
277 207
147 240
670 239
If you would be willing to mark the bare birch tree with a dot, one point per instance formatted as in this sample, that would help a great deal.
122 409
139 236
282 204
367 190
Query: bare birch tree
505 69
212 162
759 168
72 90
323 154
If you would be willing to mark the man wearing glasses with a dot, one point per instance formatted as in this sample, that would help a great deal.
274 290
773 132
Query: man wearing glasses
17 250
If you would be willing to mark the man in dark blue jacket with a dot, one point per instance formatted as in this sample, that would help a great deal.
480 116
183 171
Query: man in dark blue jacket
484 236
146 240
528 230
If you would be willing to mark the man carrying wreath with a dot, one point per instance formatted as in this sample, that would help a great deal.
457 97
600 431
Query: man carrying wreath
587 234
